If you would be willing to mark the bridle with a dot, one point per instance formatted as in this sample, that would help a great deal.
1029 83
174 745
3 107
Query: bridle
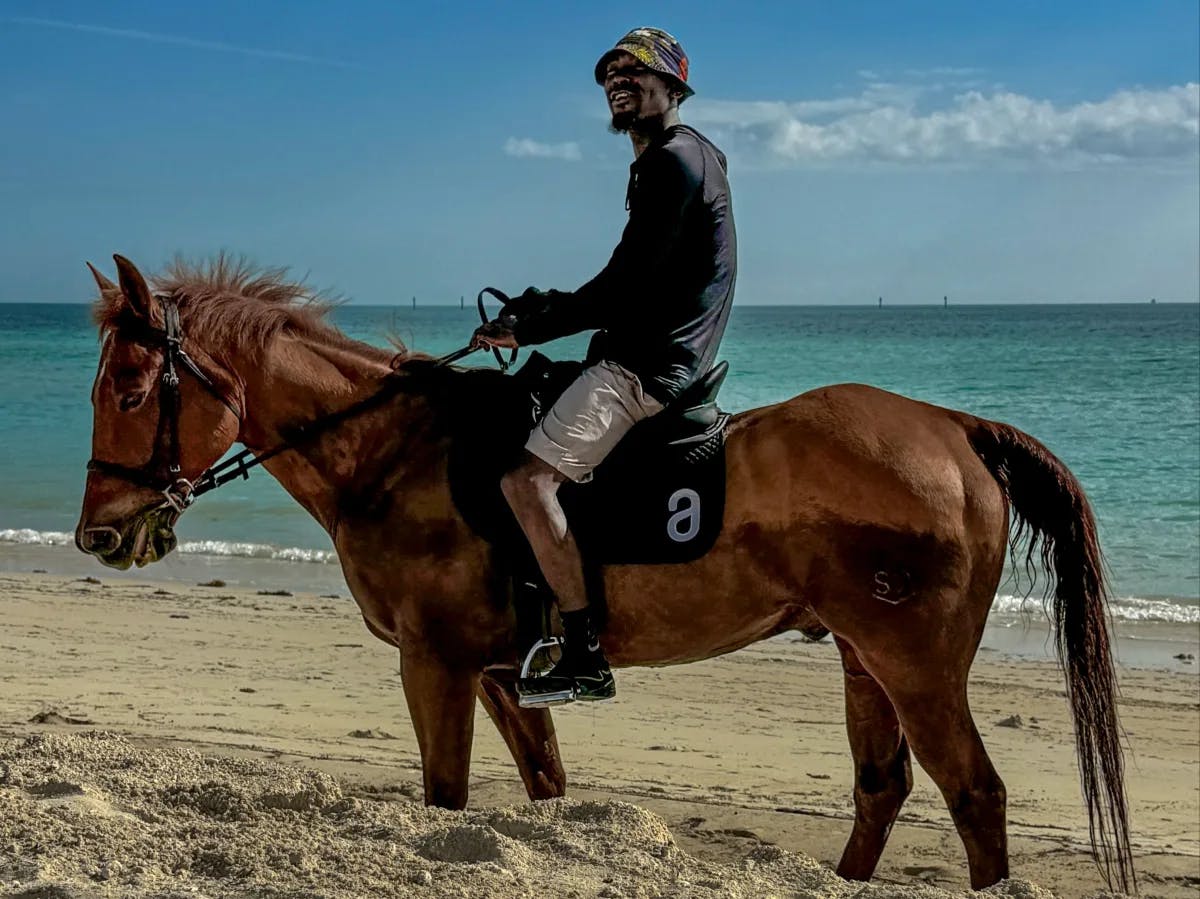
162 471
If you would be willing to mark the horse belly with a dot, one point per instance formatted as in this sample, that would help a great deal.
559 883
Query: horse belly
743 591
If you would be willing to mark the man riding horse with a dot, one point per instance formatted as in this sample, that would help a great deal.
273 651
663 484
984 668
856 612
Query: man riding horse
661 303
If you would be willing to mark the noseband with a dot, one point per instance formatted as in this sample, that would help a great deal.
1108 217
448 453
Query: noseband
162 471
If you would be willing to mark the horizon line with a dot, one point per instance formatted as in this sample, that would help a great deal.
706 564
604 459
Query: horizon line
871 305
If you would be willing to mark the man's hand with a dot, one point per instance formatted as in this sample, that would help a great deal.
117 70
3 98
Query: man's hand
494 334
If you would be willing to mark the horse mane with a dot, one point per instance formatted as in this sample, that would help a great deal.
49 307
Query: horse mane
227 301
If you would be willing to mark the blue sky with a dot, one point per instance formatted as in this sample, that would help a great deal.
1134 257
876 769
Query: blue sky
995 152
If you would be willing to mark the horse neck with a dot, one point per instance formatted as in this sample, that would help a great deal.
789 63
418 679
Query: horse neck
300 381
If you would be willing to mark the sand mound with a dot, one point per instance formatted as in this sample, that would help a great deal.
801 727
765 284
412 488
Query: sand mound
91 815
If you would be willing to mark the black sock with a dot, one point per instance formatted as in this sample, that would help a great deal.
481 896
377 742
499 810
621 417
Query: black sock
577 628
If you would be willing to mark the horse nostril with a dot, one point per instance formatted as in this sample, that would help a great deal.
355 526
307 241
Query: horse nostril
99 541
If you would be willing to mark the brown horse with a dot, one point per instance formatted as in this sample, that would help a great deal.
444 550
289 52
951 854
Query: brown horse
881 519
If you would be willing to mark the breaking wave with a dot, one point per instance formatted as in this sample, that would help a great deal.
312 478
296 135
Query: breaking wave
1125 608
234 548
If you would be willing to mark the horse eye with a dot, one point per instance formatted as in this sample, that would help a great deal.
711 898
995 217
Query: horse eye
131 400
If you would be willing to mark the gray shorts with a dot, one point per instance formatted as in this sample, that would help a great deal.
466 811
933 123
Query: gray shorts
589 419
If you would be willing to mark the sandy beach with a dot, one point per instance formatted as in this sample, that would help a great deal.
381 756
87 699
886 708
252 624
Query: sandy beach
169 739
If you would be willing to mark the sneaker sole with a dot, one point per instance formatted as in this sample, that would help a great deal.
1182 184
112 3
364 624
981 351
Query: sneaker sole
602 695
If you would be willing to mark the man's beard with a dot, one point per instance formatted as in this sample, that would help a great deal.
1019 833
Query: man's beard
624 122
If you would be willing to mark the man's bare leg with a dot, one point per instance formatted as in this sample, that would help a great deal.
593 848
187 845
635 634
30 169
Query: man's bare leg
532 492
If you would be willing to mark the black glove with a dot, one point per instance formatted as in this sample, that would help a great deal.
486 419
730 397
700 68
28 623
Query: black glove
527 305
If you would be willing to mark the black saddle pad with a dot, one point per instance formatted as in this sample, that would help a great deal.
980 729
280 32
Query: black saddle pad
658 498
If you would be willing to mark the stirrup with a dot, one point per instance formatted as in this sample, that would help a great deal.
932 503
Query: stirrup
544 700
541 700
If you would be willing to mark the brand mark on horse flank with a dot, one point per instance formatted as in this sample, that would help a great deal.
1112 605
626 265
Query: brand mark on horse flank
892 595
685 523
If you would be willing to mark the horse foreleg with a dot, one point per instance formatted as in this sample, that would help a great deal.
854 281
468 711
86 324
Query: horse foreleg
882 770
530 736
441 702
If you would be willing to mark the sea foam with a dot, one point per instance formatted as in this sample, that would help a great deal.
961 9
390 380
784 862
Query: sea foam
1170 610
235 548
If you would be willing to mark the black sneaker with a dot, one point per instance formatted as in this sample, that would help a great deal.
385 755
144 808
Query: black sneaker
586 677
594 681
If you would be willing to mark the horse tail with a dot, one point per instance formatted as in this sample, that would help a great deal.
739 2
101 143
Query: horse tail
1050 508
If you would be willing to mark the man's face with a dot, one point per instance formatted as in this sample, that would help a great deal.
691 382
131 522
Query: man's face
635 93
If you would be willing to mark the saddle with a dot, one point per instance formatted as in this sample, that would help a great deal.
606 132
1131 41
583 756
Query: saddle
658 498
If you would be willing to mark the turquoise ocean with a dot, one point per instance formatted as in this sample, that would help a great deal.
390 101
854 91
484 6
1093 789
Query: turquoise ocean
1113 390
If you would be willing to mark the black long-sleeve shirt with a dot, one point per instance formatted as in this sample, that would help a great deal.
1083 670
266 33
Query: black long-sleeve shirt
663 300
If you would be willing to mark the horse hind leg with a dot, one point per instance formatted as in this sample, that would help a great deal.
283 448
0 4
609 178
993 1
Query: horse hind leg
948 746
529 734
882 769
917 640
929 692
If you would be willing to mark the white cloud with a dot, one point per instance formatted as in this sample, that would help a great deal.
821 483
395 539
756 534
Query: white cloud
889 123
524 147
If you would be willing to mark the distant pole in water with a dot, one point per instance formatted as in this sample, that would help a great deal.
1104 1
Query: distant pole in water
414 302
945 302
461 302
881 302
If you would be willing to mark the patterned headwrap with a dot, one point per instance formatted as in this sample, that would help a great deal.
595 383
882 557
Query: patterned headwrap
656 50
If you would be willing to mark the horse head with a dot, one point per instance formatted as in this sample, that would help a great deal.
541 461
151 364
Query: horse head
160 419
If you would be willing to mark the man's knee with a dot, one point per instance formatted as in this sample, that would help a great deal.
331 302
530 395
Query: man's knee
533 481
515 485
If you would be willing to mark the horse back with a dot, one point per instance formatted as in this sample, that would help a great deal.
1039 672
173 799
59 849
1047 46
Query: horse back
861 481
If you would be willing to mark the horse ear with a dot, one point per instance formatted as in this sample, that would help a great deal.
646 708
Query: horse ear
134 287
102 282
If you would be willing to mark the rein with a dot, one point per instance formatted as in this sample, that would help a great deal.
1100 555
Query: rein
162 471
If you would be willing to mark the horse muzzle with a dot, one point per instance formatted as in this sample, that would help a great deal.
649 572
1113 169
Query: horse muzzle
145 539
